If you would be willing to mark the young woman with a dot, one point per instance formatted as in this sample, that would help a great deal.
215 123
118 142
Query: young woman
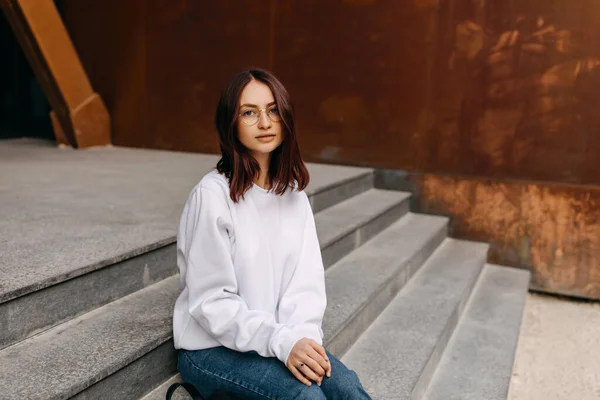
249 316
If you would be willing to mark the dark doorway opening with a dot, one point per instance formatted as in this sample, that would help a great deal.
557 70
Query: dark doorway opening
24 110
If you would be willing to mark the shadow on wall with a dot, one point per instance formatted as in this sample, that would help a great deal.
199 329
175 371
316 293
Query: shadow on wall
519 96
24 110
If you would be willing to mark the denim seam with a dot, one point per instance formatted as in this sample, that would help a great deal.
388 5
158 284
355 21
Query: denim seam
226 379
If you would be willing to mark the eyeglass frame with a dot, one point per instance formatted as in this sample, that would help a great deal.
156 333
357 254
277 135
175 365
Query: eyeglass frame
260 111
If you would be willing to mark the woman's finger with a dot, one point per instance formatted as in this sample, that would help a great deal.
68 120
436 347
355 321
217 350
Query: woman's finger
314 365
321 350
308 372
300 376
317 358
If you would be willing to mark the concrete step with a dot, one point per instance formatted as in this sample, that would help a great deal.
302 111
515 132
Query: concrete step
478 362
42 309
124 349
332 184
347 225
86 357
160 392
397 355
361 284
108 239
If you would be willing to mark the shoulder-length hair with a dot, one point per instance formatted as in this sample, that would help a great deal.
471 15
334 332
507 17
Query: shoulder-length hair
286 169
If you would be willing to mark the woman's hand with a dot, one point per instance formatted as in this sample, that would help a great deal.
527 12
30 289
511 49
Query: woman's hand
308 359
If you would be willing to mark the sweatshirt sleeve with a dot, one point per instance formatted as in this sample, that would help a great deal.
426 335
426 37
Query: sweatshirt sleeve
303 302
212 286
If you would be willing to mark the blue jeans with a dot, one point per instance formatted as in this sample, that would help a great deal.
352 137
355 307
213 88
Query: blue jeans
251 376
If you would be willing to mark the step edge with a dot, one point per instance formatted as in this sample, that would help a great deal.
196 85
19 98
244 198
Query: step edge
340 191
62 298
523 277
473 278
365 221
124 372
112 369
342 182
437 237
63 277
445 337
162 336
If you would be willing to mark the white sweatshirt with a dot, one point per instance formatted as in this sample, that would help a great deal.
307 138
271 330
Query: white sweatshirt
251 273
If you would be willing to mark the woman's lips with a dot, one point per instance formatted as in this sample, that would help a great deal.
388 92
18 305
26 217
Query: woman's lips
265 138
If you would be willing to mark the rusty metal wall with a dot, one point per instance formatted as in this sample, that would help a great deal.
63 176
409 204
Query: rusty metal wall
476 87
517 90
160 64
360 74
512 152
553 230
193 47
110 39
500 95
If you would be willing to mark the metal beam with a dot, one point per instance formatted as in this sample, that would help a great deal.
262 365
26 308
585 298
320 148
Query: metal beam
79 116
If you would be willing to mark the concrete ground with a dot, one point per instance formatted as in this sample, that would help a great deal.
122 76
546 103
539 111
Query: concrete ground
558 357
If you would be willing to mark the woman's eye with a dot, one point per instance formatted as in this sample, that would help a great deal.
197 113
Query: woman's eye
274 111
249 113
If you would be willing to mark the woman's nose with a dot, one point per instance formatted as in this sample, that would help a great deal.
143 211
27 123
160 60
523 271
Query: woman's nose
263 120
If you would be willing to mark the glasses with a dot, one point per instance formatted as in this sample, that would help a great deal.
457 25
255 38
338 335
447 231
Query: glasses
252 115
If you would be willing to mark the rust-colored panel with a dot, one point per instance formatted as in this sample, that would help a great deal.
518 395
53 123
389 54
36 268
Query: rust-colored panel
358 72
554 230
194 47
109 36
505 89
160 65
516 92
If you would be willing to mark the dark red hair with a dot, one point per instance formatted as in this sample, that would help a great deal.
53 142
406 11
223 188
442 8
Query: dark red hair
286 170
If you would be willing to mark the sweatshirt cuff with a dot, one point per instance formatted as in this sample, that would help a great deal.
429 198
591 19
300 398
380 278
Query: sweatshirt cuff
285 339
310 331
283 342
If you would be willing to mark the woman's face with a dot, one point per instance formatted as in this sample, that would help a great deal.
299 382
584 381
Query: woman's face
265 135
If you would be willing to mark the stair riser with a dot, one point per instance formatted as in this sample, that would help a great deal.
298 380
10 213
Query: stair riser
343 246
428 371
336 194
341 341
43 309
136 379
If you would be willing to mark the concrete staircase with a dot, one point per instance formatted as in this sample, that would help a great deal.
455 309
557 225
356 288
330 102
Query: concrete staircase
418 315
